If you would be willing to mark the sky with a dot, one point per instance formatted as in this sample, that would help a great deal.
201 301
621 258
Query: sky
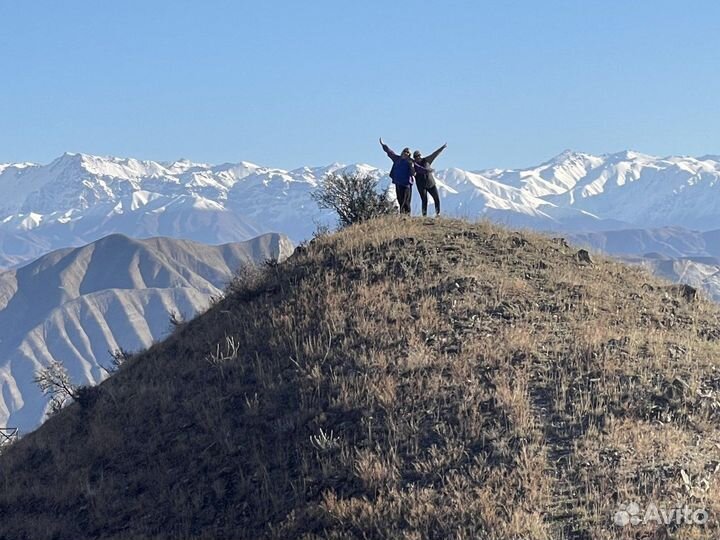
290 83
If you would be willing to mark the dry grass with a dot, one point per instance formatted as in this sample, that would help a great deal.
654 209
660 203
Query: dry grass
406 378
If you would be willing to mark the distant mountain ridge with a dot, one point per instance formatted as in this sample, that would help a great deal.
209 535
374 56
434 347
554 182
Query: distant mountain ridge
674 253
668 241
79 198
76 305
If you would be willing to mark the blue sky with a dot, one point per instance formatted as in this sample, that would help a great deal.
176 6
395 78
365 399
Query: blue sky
289 83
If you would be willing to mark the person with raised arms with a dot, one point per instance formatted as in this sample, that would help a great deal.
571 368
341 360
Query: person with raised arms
424 179
402 175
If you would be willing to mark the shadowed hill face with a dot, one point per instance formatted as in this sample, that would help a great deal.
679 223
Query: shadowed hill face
404 378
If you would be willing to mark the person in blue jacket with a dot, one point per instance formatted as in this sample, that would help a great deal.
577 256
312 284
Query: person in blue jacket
402 175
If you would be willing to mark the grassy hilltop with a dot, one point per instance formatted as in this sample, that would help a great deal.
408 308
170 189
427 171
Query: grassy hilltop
405 378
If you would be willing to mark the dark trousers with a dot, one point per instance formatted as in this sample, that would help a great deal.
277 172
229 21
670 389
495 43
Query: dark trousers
404 197
424 196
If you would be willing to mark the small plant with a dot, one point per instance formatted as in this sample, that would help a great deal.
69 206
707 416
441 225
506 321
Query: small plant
54 382
354 197
8 437
324 441
86 396
117 358
222 354
321 230
245 280
176 319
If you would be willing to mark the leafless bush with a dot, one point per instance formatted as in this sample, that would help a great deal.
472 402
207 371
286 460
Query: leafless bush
118 357
246 280
353 196
54 382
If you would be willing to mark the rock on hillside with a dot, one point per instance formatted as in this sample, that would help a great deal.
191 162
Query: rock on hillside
406 378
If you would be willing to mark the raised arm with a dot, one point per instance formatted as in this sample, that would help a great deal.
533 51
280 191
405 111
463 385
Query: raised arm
392 155
436 153
417 167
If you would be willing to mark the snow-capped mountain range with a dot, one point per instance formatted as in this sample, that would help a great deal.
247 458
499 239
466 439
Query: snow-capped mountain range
75 304
78 198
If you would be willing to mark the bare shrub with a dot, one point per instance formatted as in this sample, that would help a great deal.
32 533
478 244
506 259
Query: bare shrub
118 357
54 382
354 197
246 280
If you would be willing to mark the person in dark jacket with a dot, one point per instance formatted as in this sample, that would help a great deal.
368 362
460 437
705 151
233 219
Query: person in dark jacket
424 179
402 175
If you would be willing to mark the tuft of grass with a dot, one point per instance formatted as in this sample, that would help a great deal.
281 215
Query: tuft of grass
402 378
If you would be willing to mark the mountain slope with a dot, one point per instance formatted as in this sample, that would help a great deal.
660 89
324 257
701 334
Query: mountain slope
79 198
673 253
75 305
700 272
649 191
401 379
668 241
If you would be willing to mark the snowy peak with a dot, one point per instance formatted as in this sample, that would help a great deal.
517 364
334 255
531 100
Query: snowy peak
629 155
78 198
568 156
552 177
104 166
